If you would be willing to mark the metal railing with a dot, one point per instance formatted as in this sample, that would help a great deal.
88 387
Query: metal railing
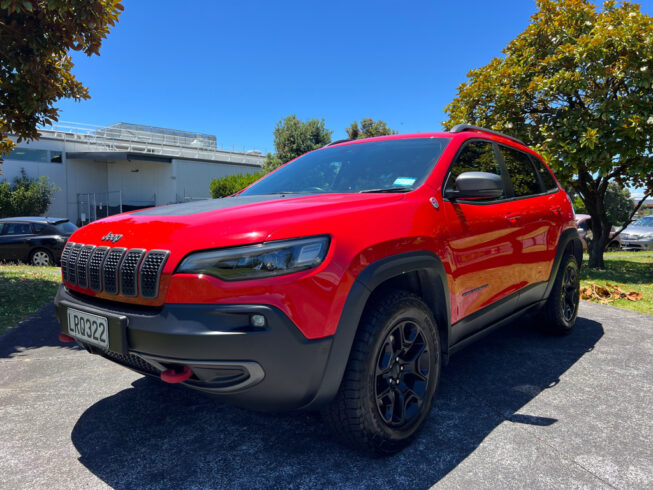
155 142
96 205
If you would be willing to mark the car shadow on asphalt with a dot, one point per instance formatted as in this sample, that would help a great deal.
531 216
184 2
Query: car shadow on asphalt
38 330
156 435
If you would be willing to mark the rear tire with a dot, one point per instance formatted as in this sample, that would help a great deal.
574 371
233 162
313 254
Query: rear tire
388 388
561 308
41 258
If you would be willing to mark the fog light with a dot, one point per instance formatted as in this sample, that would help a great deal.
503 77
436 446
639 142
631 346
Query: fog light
257 320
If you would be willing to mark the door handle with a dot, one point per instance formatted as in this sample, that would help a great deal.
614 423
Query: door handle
513 217
556 209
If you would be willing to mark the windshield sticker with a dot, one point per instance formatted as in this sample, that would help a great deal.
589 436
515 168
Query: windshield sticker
404 181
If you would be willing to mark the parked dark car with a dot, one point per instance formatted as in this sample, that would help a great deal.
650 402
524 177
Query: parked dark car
38 241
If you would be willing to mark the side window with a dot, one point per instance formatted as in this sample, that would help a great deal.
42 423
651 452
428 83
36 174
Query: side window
476 156
38 227
521 171
17 229
545 175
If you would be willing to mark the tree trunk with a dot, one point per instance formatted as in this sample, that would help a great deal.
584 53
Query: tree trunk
600 229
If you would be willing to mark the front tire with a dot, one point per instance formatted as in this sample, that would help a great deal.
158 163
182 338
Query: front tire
388 388
561 308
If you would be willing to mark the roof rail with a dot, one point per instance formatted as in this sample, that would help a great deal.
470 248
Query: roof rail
337 141
459 128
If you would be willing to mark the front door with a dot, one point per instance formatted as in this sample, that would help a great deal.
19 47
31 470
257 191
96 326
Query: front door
484 246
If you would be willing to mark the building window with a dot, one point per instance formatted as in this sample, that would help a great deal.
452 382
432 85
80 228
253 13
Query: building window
30 155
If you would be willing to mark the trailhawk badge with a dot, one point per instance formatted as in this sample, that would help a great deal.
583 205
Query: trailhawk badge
110 237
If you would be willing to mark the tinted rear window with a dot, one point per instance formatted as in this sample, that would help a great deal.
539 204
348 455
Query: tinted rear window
547 179
521 171
65 228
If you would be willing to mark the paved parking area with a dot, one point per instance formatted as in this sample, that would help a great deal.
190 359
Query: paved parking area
517 410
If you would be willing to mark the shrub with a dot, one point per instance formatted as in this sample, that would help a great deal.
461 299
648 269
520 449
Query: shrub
26 196
226 186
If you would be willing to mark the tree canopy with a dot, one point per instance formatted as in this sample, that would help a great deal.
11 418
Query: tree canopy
368 128
577 85
36 37
293 138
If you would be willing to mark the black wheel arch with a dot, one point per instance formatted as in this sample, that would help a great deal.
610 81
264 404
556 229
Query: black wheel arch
421 272
569 242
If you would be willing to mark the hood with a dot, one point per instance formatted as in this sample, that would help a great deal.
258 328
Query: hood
230 221
638 230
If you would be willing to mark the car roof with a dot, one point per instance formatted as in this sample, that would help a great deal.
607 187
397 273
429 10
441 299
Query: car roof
33 219
468 133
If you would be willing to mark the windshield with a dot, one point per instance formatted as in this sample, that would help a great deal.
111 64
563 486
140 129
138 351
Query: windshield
645 221
398 165
65 228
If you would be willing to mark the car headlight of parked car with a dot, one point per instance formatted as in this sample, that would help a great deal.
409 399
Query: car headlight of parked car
258 261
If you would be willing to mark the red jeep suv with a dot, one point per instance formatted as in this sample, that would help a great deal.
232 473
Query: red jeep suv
342 281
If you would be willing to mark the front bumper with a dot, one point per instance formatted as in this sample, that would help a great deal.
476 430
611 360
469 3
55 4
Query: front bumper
265 368
636 244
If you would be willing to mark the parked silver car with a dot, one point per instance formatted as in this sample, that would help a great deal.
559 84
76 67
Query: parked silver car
639 235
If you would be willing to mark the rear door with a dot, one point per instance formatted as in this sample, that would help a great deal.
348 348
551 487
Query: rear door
538 215
14 241
483 240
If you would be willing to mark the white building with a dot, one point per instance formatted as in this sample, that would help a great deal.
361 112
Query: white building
103 170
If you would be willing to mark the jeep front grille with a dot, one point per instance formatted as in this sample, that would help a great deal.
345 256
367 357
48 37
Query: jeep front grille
114 270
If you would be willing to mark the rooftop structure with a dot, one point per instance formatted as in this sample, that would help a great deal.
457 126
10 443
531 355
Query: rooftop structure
149 140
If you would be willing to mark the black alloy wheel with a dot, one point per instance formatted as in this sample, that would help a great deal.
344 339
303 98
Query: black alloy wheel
402 374
561 308
389 384
570 291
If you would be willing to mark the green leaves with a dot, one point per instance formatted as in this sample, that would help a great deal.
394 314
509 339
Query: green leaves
226 186
35 68
293 138
26 196
368 128
577 86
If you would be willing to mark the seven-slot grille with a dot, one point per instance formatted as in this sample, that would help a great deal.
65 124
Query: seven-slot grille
114 270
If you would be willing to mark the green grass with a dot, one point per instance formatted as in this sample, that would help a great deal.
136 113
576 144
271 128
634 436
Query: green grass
23 290
628 270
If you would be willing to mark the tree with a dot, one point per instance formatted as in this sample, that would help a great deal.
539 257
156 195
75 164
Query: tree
368 129
618 205
35 66
293 138
26 196
576 85
226 186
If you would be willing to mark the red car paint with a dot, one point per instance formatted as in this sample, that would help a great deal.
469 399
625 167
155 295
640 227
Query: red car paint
505 246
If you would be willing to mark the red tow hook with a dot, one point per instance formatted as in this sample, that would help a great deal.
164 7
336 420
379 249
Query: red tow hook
65 338
173 376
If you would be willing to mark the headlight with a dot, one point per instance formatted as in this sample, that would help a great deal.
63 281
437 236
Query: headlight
258 261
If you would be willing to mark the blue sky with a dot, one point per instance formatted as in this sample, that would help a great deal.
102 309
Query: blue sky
234 69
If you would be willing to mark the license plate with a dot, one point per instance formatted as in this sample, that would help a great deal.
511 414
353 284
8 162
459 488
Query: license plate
89 328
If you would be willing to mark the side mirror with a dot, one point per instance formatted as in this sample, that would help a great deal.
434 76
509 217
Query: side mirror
476 185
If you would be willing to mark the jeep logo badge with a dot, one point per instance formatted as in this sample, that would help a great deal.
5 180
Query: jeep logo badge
110 237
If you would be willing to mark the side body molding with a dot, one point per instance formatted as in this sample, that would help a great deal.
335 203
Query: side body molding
433 283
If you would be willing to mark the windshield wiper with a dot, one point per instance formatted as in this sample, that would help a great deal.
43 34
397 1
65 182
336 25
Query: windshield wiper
389 189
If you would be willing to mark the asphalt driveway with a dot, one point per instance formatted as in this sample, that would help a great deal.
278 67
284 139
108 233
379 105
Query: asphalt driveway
517 410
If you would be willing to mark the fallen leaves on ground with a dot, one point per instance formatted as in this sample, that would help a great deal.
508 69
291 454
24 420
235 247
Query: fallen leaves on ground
608 293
